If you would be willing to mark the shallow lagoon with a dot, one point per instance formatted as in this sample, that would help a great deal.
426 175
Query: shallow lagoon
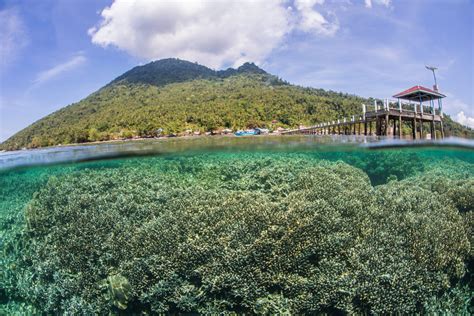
249 225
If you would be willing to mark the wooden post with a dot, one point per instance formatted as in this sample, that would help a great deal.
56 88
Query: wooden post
440 108
414 128
370 128
421 128
364 119
433 132
442 129
386 123
394 128
400 126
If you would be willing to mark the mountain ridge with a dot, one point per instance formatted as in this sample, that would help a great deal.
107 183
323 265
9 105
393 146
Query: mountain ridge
174 70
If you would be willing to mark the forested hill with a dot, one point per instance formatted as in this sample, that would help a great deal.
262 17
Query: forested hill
178 96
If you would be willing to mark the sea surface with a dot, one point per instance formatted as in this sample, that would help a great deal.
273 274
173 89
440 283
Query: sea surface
254 225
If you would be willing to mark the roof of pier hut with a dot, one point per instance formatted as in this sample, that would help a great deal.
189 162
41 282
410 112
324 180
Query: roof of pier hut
419 93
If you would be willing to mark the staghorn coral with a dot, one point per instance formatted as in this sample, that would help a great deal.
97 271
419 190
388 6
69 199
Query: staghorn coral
246 233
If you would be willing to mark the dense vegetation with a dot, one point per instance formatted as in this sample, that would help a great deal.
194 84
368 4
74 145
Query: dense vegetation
248 233
235 102
175 96
166 71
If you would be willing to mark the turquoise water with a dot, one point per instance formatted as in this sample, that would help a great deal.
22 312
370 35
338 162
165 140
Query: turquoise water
259 225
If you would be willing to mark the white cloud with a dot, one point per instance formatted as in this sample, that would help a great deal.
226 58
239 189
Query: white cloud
459 110
461 118
214 33
59 69
13 36
369 3
313 21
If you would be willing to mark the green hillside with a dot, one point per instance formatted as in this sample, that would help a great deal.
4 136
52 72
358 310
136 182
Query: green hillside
176 95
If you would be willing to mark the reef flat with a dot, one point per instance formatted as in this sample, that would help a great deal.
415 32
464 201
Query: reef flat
249 232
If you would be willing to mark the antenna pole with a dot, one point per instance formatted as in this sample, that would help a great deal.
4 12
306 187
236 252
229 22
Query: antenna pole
434 76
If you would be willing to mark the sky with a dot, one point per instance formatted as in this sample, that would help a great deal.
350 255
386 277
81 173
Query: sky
56 52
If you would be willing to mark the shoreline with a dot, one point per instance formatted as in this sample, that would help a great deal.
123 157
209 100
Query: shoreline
124 140
375 141
102 142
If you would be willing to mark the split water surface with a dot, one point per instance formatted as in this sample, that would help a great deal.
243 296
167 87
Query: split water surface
259 225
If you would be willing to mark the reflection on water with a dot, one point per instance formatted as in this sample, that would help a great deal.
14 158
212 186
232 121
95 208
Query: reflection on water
52 155
264 225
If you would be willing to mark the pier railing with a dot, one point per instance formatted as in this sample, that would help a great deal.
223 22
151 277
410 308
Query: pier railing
402 106
380 112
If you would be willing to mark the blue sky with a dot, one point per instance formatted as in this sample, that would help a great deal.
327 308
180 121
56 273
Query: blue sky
56 52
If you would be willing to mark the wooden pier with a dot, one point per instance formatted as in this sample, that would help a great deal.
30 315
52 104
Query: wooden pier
387 118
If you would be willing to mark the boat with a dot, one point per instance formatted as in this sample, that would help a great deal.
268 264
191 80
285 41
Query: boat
262 130
247 132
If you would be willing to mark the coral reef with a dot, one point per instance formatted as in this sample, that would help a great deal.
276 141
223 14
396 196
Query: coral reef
249 233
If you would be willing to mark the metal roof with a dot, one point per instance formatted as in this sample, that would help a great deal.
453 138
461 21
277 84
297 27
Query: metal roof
419 93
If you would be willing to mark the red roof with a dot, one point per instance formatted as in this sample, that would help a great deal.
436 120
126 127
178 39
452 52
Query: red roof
419 93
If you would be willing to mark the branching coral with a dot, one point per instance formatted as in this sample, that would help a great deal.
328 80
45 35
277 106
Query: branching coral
246 233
